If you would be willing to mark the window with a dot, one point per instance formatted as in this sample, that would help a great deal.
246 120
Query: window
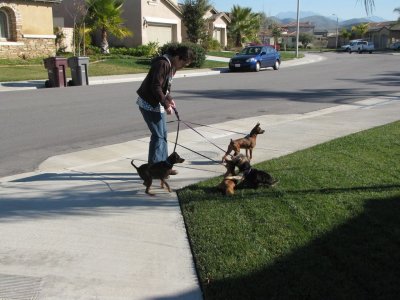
3 25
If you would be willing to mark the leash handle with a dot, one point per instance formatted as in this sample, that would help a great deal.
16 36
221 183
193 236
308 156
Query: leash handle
179 122
176 112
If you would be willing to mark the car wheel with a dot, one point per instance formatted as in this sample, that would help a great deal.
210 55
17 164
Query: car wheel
258 66
277 65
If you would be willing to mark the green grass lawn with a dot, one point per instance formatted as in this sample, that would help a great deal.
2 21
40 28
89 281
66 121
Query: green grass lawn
329 230
17 70
33 69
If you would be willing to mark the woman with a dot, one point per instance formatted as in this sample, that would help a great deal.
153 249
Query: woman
155 99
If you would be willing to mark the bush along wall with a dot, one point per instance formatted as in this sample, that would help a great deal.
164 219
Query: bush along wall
199 52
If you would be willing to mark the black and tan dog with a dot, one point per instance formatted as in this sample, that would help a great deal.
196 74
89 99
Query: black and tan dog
160 170
252 177
248 143
230 180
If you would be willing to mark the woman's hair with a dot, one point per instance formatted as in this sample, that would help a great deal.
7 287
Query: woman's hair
183 52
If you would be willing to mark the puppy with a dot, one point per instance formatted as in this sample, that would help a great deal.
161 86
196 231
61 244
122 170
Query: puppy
160 170
252 178
229 182
248 143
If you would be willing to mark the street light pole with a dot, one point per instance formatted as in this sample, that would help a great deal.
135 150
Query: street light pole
337 29
298 29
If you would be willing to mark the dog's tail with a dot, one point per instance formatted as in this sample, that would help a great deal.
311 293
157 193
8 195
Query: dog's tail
134 165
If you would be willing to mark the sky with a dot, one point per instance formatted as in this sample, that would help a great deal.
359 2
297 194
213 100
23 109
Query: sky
344 9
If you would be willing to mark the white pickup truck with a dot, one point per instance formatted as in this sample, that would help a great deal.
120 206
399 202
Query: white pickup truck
359 46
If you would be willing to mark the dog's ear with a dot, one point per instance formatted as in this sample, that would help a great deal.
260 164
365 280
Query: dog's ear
258 124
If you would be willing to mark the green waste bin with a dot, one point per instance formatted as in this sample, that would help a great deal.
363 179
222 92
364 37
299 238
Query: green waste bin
56 68
79 70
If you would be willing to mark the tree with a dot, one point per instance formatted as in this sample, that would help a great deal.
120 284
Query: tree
244 25
105 15
193 12
305 39
369 6
360 30
397 10
276 33
346 35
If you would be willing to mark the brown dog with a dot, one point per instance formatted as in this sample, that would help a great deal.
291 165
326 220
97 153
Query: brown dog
160 170
228 184
248 143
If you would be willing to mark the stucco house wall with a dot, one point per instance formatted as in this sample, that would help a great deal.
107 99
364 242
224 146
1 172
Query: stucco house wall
30 29
151 21
218 23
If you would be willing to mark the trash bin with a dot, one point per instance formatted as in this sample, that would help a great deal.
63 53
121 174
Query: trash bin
56 68
79 70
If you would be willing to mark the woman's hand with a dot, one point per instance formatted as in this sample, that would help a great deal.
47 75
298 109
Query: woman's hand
169 106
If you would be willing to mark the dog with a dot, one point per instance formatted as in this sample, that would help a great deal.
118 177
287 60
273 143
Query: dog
160 170
248 143
230 180
252 177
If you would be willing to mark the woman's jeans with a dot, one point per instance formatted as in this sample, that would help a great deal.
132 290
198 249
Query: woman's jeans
158 148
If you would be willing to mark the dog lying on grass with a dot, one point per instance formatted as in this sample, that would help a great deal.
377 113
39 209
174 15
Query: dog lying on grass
248 143
160 170
252 177
249 178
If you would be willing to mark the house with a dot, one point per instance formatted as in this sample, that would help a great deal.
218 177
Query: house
382 33
26 28
217 26
150 21
289 32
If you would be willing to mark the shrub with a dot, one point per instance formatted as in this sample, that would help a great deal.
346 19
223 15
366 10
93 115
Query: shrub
211 44
198 51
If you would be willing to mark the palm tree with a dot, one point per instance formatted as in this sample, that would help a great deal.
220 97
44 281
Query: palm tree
397 10
369 6
244 25
105 15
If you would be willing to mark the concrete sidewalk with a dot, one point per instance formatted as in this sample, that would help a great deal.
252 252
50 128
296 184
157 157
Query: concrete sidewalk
81 227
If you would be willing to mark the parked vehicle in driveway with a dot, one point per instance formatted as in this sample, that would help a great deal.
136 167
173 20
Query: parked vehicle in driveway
254 58
395 46
359 46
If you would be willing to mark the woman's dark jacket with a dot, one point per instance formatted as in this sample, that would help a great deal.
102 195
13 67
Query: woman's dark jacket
157 82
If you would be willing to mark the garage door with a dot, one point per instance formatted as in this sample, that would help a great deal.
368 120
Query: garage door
159 33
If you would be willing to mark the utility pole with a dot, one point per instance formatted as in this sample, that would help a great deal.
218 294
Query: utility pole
337 29
298 29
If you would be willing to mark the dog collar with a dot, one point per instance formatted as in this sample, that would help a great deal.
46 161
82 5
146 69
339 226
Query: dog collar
168 163
247 172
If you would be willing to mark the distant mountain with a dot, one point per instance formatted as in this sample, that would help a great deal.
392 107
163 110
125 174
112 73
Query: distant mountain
351 22
322 22
293 14
287 20
377 19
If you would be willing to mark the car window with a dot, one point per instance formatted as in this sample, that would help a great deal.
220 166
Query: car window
246 51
